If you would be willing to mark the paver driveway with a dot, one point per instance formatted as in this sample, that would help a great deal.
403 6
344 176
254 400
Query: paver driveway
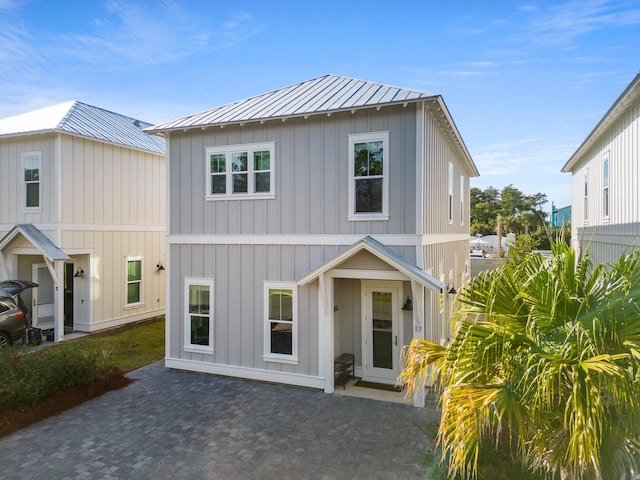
179 425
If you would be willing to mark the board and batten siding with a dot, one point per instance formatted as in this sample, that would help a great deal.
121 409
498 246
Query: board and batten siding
438 154
311 176
107 275
239 273
12 209
607 236
104 184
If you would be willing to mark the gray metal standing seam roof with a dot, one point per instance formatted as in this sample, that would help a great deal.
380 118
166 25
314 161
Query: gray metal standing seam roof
322 95
329 93
85 120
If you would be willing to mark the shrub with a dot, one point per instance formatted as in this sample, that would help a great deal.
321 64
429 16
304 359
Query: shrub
29 378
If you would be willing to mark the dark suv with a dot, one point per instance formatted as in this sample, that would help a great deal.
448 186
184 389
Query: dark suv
13 311
12 322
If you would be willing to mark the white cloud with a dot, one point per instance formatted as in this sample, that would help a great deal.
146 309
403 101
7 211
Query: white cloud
143 34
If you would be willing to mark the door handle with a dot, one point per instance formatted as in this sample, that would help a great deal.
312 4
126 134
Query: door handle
396 340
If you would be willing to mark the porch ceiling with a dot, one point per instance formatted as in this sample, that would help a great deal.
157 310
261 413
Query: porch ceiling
382 252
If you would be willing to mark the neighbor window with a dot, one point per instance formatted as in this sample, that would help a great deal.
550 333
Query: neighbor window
586 196
369 176
605 190
240 171
462 191
280 340
134 281
198 295
450 192
31 165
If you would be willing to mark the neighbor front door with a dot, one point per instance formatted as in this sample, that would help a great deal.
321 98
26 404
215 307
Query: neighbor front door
43 297
381 331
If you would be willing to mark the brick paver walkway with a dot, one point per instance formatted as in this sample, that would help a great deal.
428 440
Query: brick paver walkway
179 425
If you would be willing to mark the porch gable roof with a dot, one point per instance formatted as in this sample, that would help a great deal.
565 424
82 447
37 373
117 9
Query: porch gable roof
382 252
38 239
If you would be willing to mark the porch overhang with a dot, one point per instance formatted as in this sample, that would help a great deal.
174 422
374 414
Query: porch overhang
382 252
39 240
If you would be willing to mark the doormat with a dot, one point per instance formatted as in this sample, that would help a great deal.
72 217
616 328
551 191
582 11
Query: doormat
378 386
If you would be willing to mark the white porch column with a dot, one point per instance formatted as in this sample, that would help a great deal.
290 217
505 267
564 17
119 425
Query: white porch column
58 302
325 330
417 291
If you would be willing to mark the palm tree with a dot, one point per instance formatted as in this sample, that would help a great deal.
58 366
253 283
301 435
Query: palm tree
545 356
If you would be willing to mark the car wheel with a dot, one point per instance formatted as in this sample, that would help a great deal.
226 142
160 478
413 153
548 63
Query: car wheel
5 341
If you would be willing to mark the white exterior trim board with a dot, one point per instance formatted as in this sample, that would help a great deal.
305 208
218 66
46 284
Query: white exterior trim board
301 239
246 373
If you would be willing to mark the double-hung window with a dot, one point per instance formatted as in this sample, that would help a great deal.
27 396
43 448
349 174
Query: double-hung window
240 171
450 192
369 176
134 281
31 166
198 316
586 196
281 324
605 187
462 195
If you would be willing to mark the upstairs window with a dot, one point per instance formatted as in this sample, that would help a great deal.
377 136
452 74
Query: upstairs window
605 189
31 165
240 171
450 192
369 176
462 195
134 281
586 197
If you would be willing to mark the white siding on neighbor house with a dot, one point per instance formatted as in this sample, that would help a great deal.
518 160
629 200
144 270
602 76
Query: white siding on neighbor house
12 181
104 184
311 177
620 143
107 275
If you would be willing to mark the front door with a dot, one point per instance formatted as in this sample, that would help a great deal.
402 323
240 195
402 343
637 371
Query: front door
381 314
43 297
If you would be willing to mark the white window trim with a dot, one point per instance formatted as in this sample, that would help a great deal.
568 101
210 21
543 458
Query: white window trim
133 258
606 190
228 150
369 137
450 198
24 156
274 357
585 204
462 195
188 346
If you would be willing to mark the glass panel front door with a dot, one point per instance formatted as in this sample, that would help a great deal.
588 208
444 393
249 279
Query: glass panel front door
381 331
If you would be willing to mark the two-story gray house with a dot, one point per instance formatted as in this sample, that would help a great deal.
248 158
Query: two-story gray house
325 218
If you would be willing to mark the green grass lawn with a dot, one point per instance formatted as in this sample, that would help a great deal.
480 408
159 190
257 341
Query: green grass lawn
128 347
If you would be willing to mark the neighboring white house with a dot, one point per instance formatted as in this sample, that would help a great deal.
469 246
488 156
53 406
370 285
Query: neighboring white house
82 213
302 221
605 211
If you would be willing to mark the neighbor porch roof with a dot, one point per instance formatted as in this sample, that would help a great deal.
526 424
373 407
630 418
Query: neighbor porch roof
38 239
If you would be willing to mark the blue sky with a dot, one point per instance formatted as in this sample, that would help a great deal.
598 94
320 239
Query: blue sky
525 81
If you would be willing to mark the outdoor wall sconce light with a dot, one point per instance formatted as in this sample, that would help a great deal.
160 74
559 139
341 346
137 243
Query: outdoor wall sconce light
451 289
79 273
159 267
407 305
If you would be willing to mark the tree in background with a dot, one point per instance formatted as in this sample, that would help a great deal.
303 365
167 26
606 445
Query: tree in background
545 357
521 214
